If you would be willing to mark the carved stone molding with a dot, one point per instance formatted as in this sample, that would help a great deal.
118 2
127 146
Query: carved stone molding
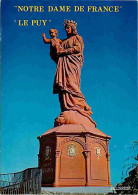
45 142
88 146
87 153
57 153
75 139
101 143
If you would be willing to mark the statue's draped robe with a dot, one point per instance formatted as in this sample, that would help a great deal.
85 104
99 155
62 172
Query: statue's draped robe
53 53
67 78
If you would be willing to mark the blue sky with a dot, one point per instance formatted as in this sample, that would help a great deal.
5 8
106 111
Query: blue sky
108 81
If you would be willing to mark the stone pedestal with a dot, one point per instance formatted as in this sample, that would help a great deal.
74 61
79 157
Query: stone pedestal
74 155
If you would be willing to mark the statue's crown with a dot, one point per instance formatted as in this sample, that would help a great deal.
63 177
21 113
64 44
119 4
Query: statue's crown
70 22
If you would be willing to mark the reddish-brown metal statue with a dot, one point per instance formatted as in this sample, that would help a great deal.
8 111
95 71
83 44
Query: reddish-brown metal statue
74 152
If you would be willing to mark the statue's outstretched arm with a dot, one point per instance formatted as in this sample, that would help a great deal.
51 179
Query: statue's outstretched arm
47 41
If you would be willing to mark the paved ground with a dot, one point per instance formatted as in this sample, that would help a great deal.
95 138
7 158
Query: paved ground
76 190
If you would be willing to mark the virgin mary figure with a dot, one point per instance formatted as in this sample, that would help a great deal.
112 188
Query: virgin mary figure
73 105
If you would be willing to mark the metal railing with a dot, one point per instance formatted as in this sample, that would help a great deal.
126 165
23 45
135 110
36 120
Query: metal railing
24 182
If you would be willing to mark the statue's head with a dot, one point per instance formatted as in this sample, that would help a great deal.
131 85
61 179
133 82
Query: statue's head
70 27
53 33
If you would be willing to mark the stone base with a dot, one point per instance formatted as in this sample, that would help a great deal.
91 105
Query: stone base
77 190
74 155
73 117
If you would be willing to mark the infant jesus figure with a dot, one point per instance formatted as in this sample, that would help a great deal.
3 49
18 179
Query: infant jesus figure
54 43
